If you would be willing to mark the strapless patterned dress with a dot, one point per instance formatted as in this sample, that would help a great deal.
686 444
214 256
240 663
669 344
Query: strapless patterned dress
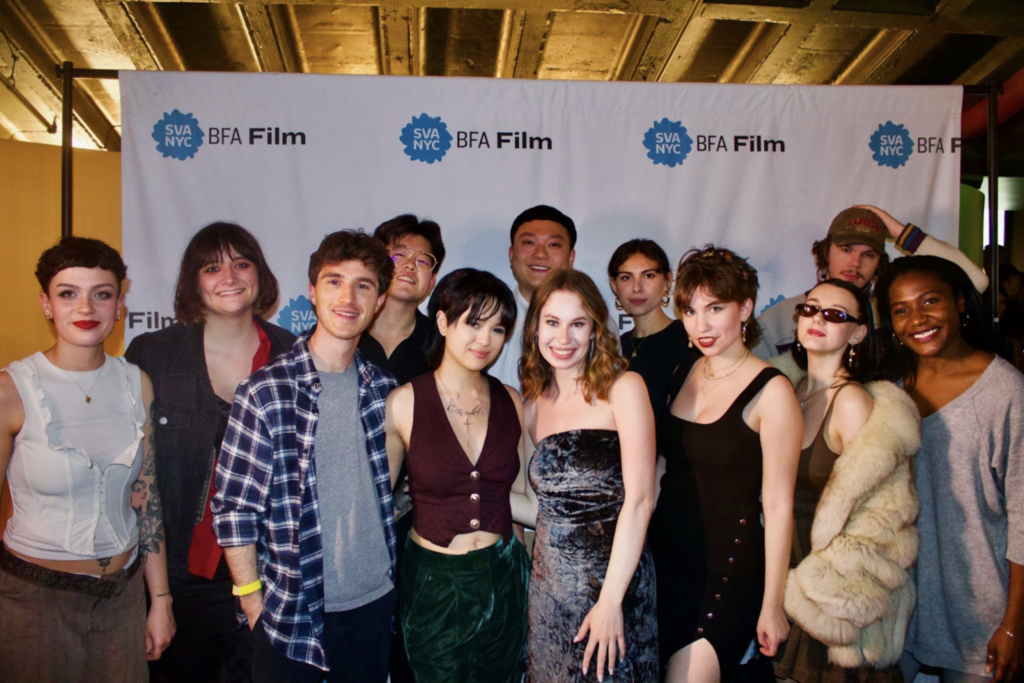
577 476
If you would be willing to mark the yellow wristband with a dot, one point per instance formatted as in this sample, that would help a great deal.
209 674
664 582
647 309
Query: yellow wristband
247 588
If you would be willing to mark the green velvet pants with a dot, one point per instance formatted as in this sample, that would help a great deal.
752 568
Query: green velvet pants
464 616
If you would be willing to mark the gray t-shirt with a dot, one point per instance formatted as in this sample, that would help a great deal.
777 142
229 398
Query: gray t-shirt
970 479
356 558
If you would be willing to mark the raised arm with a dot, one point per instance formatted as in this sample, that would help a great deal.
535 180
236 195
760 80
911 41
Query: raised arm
780 425
634 421
911 239
522 497
160 625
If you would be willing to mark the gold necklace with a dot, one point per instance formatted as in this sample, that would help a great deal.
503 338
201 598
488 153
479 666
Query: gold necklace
811 395
722 374
453 407
632 342
88 398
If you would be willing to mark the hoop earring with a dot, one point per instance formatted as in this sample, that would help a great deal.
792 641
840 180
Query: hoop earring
618 306
666 300
743 332
849 358
689 341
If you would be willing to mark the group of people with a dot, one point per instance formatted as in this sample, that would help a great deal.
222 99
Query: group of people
808 495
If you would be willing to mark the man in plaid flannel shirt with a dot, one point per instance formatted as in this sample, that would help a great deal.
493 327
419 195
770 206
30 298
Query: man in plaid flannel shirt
303 506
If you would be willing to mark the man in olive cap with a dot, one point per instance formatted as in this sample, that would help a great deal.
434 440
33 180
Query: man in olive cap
854 250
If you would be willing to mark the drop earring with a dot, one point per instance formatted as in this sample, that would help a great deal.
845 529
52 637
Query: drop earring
590 351
849 358
689 341
536 338
743 332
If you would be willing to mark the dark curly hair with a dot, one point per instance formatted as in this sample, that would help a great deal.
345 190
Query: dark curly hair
79 252
724 275
975 322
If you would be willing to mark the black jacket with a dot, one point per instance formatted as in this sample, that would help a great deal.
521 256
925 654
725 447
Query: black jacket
185 417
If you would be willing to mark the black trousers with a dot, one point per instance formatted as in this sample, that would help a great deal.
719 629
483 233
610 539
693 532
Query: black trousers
209 646
357 643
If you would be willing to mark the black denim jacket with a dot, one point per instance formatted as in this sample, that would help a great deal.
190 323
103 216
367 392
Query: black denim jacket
185 418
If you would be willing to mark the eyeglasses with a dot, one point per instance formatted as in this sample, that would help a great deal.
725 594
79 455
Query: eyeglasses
424 261
832 315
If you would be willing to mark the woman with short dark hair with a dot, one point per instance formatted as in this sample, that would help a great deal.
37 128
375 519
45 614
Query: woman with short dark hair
224 287
463 574
87 511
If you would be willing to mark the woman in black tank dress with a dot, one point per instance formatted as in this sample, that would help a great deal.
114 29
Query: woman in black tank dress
732 450
855 504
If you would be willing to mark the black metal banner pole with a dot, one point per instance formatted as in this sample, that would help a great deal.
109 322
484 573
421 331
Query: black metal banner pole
67 128
993 206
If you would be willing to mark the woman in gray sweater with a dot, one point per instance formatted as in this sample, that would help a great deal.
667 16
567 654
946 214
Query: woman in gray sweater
969 474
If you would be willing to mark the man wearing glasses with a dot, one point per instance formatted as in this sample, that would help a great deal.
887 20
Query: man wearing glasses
396 341
397 337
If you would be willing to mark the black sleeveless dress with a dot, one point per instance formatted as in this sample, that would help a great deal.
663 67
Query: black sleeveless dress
707 536
578 479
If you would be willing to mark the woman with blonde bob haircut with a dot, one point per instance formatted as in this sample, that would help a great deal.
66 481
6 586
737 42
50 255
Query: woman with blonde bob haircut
592 588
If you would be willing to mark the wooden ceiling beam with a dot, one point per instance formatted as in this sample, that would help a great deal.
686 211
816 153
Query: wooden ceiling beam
530 52
398 22
23 31
264 36
982 70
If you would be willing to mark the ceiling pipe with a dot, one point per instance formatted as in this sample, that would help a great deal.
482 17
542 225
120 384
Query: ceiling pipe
974 121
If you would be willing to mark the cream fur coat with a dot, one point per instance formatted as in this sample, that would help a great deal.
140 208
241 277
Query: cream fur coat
853 592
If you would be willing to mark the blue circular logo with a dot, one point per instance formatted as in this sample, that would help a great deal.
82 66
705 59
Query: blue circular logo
426 138
667 143
298 316
891 145
178 135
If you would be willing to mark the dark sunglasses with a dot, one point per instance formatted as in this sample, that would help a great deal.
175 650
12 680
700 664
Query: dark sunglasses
832 315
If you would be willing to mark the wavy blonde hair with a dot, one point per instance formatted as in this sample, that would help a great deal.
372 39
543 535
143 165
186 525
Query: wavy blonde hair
603 366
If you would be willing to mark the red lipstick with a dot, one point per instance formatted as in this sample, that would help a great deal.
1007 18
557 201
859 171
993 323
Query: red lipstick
86 324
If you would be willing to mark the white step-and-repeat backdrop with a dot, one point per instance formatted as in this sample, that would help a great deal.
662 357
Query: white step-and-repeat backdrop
760 169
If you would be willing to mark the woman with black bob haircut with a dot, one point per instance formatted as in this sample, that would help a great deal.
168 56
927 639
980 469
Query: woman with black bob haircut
849 591
641 280
464 574
224 288
73 424
969 473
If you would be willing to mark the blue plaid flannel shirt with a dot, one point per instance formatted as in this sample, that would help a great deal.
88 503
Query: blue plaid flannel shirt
266 490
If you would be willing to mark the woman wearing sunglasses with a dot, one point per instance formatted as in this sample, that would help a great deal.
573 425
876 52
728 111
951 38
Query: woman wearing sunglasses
849 592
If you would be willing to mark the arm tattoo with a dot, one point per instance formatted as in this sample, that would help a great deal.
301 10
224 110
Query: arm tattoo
146 500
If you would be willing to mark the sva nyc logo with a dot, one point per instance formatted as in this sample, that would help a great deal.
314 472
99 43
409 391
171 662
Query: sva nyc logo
298 316
891 144
426 138
667 143
178 135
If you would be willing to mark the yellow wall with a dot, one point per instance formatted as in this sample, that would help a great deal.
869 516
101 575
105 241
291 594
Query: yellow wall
30 222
